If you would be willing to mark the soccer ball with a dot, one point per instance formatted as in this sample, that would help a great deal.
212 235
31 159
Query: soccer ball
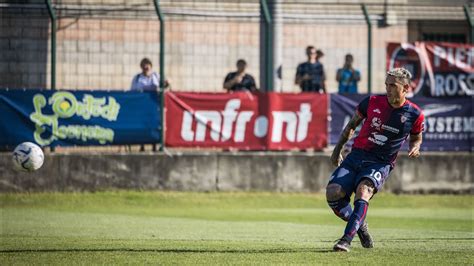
28 157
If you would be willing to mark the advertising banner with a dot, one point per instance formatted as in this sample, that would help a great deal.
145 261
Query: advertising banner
246 121
65 118
449 123
439 69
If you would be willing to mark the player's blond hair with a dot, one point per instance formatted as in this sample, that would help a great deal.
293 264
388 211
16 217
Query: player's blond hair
401 74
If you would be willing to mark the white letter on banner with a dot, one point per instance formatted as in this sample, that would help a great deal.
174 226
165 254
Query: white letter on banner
230 116
431 124
279 118
439 53
304 117
203 118
457 124
460 57
451 85
439 85
242 120
260 128
450 56
186 127
470 57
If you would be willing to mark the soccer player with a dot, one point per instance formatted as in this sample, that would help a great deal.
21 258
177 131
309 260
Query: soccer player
389 120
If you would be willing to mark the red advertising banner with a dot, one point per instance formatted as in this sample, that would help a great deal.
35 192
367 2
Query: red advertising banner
439 69
246 121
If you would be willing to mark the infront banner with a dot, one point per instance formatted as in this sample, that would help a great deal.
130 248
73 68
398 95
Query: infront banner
60 117
439 69
246 121
449 123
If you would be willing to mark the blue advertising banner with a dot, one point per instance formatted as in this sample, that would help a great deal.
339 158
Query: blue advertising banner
65 118
342 108
449 122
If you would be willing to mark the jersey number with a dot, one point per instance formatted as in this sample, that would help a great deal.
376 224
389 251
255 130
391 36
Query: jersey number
375 174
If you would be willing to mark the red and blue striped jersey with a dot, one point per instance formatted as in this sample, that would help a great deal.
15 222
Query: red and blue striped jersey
386 128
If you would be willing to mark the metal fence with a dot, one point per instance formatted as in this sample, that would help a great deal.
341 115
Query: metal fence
99 44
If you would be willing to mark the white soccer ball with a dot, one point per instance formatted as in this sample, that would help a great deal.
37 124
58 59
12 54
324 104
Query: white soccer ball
28 157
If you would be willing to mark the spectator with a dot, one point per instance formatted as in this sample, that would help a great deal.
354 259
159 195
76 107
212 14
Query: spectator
239 80
310 75
347 76
147 79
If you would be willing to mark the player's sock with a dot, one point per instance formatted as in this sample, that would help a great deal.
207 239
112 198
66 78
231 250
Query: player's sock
356 219
342 208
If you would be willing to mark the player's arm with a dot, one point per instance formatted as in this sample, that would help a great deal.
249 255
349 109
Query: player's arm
416 137
414 145
347 133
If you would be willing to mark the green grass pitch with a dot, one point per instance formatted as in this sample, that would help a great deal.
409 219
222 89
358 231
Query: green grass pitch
228 228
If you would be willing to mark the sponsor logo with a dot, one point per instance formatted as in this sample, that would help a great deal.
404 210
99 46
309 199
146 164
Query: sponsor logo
232 124
376 123
426 63
412 58
391 129
447 124
431 109
65 105
378 138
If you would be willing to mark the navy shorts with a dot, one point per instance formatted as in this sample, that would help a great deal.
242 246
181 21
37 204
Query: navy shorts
357 166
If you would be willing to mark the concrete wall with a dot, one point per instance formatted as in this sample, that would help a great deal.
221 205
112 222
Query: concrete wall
206 171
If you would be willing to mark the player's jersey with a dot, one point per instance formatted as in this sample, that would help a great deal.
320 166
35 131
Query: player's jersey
386 128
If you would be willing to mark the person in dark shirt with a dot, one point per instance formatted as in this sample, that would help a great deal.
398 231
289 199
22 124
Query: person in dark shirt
239 80
310 75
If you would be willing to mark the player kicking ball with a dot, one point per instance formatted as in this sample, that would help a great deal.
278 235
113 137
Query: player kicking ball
389 119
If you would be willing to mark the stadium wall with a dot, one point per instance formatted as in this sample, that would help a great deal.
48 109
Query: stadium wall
95 53
213 171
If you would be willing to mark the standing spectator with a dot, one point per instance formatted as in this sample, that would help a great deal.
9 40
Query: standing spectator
310 75
239 80
147 79
347 76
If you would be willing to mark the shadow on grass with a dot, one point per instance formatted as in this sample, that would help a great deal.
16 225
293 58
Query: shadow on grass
236 251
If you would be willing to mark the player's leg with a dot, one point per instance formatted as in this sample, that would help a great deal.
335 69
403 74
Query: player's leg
369 181
339 201
365 190
339 191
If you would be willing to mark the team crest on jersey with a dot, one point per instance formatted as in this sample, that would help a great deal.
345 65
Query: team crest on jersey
377 111
403 119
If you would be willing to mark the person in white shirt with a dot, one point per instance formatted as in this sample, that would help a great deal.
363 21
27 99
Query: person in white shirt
147 79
